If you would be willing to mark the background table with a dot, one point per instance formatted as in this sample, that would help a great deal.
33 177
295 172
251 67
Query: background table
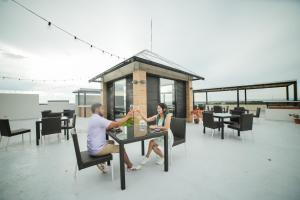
221 117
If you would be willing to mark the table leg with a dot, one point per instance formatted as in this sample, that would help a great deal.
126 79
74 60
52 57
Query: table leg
107 137
122 167
67 130
166 152
37 133
222 134
143 147
203 129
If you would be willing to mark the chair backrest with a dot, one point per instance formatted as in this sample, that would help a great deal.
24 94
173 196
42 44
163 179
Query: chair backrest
74 121
208 119
54 114
77 149
218 109
227 108
246 122
51 125
45 113
178 127
4 127
68 113
257 112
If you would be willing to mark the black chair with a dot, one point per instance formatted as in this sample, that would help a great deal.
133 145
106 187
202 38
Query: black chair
51 125
257 114
54 114
68 113
208 121
67 127
178 128
245 123
217 109
7 132
84 160
234 120
45 113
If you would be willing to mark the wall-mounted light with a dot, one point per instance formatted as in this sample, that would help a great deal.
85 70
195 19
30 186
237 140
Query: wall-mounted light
134 82
142 81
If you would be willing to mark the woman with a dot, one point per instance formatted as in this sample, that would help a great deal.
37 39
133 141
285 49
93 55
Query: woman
163 121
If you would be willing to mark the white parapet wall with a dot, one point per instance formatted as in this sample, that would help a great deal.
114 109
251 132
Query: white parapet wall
57 106
19 106
280 114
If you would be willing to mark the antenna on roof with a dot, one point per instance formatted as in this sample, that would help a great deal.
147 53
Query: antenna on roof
151 36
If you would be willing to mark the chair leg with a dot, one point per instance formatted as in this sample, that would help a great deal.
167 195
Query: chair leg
7 143
170 157
112 170
0 139
75 171
23 138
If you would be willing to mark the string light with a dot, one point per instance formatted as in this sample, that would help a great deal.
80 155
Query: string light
67 32
42 80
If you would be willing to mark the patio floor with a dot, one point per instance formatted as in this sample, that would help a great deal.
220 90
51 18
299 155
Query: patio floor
262 164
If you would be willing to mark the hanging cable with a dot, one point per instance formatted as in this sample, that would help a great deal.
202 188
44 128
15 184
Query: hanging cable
67 32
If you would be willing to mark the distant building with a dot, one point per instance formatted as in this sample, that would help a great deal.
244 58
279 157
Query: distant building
84 98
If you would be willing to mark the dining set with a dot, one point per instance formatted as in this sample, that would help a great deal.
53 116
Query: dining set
238 119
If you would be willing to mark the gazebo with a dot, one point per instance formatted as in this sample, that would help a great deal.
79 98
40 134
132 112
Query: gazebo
144 80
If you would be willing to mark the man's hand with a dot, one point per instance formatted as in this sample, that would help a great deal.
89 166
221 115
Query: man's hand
129 114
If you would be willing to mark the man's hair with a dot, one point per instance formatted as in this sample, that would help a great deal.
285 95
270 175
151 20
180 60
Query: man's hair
95 106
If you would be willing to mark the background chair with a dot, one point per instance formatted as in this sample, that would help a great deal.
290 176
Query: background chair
45 113
178 128
257 114
208 121
245 123
217 109
68 113
84 160
67 127
54 114
7 132
51 125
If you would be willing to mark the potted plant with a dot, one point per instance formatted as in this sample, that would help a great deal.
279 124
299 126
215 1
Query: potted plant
296 118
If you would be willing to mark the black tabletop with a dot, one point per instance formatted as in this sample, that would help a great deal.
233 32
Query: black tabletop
134 133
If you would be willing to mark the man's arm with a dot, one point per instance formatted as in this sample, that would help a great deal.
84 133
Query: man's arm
115 124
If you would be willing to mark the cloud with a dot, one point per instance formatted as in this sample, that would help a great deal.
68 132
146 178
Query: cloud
11 55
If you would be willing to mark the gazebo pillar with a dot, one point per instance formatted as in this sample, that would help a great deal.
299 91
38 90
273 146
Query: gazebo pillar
189 101
140 92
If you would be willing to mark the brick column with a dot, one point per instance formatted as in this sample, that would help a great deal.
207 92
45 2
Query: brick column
140 92
189 101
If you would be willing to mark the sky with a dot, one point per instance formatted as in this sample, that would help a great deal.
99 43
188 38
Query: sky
229 42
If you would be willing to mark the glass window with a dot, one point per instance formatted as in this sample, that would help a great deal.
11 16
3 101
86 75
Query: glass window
120 98
167 94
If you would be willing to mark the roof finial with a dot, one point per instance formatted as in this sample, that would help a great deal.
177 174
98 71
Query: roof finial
151 36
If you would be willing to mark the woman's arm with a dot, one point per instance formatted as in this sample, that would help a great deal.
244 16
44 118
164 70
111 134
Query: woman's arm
149 119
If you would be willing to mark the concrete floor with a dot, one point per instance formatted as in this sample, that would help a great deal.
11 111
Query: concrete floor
263 165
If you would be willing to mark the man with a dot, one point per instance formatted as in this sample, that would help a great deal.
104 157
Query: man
96 139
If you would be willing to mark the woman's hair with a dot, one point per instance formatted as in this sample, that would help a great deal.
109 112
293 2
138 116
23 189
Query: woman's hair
164 107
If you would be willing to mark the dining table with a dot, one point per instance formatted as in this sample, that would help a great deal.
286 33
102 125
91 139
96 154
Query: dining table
221 117
136 133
